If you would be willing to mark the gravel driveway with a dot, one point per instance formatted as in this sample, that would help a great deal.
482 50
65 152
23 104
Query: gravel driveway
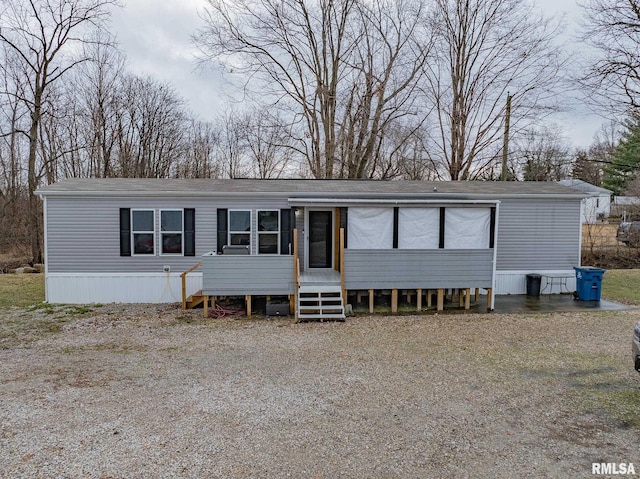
150 391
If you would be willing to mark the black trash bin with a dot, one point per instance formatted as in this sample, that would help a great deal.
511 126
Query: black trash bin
533 284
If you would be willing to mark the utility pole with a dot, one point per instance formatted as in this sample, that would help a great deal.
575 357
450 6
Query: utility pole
505 145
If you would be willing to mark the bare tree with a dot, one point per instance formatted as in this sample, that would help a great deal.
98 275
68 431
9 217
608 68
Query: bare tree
232 148
544 155
613 28
484 51
59 138
44 36
297 47
200 143
14 231
585 169
383 96
342 71
151 121
404 153
268 144
12 120
97 85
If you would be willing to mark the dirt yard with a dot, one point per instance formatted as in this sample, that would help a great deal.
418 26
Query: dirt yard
600 235
601 248
147 391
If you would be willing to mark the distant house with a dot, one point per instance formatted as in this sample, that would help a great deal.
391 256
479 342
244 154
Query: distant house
626 207
596 206
128 240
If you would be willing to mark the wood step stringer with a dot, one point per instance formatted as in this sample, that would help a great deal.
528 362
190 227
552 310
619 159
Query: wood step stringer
195 299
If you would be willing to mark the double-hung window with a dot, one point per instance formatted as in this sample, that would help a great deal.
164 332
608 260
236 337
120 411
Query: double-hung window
171 232
240 227
268 231
143 232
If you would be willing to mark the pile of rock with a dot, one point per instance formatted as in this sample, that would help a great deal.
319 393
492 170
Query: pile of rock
25 269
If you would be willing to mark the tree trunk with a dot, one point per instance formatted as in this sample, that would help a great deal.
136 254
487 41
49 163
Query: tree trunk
34 202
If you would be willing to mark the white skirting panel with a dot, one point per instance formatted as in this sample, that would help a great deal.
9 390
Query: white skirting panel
515 282
82 288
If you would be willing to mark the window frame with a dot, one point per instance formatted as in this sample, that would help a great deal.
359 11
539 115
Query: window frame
161 233
134 232
234 232
276 233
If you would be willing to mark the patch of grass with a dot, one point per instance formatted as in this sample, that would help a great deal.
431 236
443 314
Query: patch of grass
37 321
68 309
46 308
20 290
622 285
607 394
16 330
77 309
595 382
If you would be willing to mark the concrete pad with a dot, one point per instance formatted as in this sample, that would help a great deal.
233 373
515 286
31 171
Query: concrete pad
549 303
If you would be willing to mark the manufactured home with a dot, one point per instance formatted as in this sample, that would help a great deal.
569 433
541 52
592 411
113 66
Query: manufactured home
135 240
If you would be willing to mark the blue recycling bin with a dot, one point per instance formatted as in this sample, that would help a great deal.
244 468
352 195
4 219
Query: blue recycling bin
589 282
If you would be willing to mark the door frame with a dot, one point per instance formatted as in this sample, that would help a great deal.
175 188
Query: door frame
307 237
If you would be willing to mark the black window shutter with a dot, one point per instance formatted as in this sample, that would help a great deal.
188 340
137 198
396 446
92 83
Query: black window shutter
125 232
189 232
442 215
396 216
286 232
492 228
222 229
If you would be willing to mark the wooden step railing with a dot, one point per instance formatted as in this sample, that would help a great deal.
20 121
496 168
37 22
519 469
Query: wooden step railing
183 278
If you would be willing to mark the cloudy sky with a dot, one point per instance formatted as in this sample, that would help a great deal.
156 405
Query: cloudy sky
155 35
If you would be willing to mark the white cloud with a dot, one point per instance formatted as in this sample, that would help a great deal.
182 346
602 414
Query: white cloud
156 37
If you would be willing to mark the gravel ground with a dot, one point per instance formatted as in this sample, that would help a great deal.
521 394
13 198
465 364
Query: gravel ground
150 391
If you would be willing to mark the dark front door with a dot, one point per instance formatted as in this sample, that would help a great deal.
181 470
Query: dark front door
320 239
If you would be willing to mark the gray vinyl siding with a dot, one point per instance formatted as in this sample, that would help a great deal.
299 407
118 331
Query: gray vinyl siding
229 275
83 234
536 235
386 269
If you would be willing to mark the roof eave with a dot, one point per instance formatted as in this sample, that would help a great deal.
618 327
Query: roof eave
284 194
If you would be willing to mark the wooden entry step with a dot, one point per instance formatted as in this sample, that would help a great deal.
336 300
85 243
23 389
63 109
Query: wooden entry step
320 302
195 299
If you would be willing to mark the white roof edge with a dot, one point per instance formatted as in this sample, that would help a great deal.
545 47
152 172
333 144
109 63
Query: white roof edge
357 196
313 201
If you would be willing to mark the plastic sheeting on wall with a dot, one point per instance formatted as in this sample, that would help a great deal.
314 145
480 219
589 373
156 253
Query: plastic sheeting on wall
467 228
370 228
418 228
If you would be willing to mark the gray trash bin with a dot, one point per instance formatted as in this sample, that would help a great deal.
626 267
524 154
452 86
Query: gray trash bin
533 284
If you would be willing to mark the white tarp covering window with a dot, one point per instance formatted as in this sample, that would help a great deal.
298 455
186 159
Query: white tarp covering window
370 228
467 228
418 228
